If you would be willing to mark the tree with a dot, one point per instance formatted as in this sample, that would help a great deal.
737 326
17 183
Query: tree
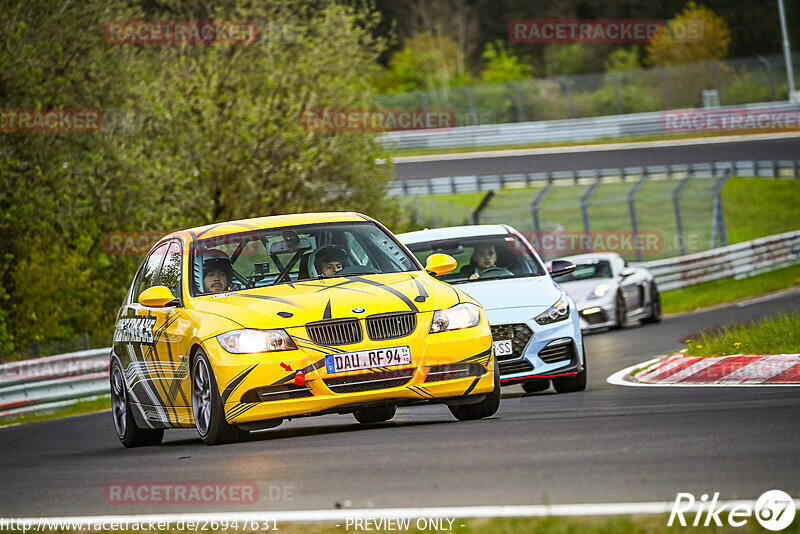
502 65
695 34
217 135
427 61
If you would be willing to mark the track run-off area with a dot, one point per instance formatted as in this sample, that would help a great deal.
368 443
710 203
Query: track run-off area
609 444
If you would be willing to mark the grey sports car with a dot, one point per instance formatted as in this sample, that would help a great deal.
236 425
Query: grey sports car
609 293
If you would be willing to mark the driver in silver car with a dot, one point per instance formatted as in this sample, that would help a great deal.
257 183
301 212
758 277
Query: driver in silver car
484 257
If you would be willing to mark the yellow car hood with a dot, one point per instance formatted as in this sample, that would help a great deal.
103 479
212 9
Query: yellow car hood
288 305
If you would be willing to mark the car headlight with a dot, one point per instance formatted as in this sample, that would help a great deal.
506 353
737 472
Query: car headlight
459 316
557 312
600 291
248 341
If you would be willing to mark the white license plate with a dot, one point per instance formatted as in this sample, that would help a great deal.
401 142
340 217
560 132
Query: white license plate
366 359
502 348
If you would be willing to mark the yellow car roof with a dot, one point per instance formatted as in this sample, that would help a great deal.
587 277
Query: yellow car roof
275 221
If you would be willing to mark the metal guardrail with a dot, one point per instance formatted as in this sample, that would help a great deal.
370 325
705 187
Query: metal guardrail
734 261
40 385
519 133
462 184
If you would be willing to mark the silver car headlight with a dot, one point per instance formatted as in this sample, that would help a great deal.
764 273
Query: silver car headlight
460 316
599 291
557 312
248 341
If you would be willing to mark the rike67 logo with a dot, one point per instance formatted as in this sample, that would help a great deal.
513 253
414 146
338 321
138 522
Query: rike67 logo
774 510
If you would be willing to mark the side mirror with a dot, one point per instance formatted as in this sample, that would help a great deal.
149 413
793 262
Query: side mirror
627 271
156 297
439 264
561 267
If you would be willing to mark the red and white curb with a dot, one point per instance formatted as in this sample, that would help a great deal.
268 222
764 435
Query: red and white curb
737 370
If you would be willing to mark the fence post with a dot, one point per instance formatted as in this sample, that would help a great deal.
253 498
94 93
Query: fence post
476 215
632 210
617 95
676 200
472 109
719 217
717 85
423 98
535 207
665 86
568 91
585 210
518 101
767 66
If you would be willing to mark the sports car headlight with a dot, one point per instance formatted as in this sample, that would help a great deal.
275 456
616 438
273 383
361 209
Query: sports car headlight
459 316
600 291
249 341
557 312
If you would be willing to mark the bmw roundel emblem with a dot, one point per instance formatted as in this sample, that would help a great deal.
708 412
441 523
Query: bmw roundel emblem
359 310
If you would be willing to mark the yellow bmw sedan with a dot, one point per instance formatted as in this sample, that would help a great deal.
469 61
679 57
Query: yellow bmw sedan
236 326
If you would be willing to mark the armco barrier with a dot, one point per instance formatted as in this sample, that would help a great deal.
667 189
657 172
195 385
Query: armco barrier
43 384
39 385
446 185
737 261
521 133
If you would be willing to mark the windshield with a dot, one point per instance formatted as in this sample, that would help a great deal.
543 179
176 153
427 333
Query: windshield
483 258
587 271
273 256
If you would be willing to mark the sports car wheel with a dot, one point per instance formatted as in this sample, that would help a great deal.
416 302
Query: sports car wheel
655 306
568 384
209 415
128 433
537 384
375 414
620 311
486 408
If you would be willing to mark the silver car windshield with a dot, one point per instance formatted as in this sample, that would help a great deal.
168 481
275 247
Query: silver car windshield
587 271
483 258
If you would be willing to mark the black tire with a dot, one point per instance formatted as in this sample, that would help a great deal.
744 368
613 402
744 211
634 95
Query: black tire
124 423
656 313
207 409
620 312
486 408
570 384
537 384
375 414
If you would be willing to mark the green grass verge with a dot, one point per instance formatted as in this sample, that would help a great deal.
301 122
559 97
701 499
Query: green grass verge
81 407
776 335
729 290
753 207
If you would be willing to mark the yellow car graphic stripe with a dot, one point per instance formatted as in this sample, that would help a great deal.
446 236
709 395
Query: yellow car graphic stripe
233 384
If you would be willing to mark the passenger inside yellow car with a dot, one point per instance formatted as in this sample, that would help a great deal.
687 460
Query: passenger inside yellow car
329 260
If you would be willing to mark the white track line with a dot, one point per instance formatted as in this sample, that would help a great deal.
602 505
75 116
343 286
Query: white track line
618 379
591 148
307 516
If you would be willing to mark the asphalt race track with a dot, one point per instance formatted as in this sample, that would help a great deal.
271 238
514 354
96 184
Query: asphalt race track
765 149
608 444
